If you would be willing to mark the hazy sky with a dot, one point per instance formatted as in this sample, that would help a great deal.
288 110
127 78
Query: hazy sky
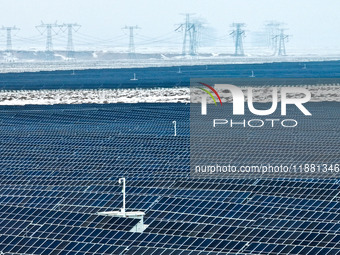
312 23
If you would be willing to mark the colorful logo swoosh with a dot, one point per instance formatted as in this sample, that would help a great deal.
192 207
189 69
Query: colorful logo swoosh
213 90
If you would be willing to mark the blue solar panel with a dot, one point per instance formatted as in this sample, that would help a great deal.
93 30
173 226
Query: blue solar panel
59 166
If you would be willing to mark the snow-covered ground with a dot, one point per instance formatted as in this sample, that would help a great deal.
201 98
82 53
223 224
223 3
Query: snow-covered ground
104 96
161 95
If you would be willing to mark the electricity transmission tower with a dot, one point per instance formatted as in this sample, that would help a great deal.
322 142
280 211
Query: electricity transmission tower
70 46
49 29
272 27
281 39
191 35
195 28
238 35
186 27
9 36
132 50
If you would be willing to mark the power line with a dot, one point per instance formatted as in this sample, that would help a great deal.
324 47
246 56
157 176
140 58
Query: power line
48 28
70 28
9 36
132 50
238 35
190 36
272 28
281 40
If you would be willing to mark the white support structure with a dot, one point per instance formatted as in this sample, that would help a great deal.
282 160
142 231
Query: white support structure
140 226
175 127
122 181
134 77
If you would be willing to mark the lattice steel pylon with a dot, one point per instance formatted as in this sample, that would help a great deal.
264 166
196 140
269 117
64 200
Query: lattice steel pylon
195 31
49 29
9 37
281 39
132 50
238 35
70 27
272 28
187 32
190 36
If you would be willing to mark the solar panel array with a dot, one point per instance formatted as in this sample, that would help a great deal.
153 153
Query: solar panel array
166 77
59 166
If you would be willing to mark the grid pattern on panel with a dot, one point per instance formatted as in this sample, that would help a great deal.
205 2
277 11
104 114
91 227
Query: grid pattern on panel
59 166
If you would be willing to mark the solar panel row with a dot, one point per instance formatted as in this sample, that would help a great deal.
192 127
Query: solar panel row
59 166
